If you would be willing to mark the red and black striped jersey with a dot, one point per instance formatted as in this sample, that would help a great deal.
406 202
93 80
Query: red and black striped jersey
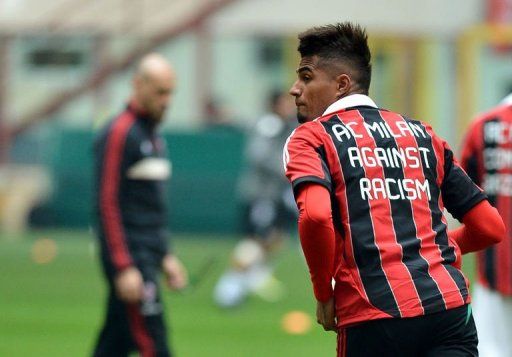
487 158
390 179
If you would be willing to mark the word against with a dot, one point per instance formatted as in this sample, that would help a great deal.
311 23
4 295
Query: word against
388 157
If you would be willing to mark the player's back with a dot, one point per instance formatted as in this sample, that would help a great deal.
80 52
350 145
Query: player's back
387 177
389 168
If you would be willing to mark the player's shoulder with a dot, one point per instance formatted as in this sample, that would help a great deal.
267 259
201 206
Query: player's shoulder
336 116
123 125
502 111
306 131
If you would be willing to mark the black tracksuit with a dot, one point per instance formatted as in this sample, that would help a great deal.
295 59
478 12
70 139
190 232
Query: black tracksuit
131 211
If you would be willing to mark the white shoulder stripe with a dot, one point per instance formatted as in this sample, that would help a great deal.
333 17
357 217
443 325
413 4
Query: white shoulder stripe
286 154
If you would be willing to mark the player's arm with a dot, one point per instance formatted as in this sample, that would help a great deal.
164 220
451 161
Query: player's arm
317 239
482 228
316 233
306 169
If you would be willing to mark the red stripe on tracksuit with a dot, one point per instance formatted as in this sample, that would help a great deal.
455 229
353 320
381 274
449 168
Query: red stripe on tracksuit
342 343
109 198
139 331
402 285
429 250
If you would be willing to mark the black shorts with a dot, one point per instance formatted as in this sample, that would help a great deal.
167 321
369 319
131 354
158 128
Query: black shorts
450 333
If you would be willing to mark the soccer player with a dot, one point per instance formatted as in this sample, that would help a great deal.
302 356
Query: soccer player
268 208
371 186
486 157
131 174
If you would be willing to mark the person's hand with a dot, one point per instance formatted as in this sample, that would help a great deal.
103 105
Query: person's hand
129 285
326 315
176 275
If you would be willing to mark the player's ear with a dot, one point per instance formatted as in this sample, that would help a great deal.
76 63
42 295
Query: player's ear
343 84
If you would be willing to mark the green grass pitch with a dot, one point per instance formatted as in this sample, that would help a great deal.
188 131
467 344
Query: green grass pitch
55 309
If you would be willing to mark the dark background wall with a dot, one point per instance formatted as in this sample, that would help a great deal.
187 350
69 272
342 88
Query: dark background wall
202 190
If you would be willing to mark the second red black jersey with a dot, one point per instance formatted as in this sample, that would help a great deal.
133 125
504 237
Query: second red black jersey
487 158
390 179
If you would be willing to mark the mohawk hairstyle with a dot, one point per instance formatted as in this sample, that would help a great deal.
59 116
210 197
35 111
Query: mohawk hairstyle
344 42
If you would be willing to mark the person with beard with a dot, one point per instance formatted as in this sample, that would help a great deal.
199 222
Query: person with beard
132 169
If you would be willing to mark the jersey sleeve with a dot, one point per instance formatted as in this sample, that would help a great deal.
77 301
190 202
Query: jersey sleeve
459 192
483 227
304 158
317 238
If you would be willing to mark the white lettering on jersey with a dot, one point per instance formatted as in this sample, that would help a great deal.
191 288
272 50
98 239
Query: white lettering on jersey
377 188
497 184
388 157
341 131
378 129
497 132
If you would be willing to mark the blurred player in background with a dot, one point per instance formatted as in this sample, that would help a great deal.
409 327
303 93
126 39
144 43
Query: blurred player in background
131 205
487 158
371 186
268 207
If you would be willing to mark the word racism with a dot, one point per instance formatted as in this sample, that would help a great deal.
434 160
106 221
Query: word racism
397 158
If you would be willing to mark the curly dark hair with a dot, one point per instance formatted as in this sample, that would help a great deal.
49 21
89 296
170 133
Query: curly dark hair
342 42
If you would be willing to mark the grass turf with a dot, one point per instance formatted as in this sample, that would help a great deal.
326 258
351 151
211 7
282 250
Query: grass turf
55 309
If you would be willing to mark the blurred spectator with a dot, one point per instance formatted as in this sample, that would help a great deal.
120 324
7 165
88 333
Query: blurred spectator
217 115
485 157
268 207
131 172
